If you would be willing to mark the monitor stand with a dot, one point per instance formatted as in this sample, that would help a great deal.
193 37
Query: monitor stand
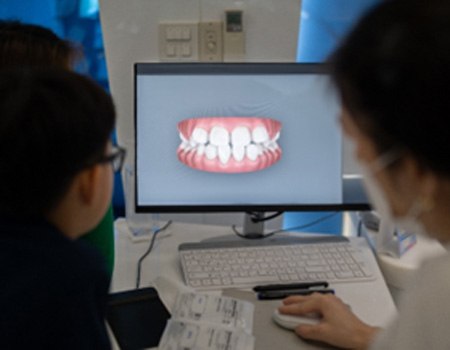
253 228
253 225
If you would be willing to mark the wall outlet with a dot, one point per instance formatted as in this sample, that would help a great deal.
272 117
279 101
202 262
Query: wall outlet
210 42
178 41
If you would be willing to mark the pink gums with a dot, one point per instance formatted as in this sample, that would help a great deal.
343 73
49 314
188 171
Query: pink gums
191 158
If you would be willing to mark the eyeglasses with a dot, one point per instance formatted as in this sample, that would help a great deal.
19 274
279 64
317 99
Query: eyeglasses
116 158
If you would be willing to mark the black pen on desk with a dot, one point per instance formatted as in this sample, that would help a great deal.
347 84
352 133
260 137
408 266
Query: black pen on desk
281 294
284 287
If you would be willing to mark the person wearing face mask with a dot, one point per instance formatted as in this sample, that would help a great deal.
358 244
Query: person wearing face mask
393 76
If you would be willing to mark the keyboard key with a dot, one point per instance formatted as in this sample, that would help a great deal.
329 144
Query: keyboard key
344 274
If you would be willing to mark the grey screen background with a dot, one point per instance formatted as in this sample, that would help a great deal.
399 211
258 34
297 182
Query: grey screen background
309 172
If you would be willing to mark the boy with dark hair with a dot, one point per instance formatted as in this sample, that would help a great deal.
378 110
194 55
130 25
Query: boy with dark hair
56 181
25 46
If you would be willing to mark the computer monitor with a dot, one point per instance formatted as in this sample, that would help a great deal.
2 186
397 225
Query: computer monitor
251 137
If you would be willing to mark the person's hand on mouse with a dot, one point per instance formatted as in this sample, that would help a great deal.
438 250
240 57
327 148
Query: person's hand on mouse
338 325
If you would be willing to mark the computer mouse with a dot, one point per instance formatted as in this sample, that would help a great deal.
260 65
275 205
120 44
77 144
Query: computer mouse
291 322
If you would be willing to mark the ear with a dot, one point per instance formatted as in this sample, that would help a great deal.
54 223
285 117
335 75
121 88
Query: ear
365 149
430 188
423 180
88 183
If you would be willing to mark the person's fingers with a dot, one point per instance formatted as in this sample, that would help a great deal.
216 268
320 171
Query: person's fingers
304 306
300 298
294 299
311 332
338 325
314 303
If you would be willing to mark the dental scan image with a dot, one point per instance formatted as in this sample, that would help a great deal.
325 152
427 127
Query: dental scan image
229 144
236 137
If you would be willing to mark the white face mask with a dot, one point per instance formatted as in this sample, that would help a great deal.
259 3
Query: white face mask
409 222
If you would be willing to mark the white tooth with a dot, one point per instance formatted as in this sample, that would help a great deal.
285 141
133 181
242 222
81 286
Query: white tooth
277 136
260 149
224 153
200 135
187 147
270 145
219 136
238 152
240 136
259 134
184 145
200 150
183 138
273 146
211 152
252 152
192 143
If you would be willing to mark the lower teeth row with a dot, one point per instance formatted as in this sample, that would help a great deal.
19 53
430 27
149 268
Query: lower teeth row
252 151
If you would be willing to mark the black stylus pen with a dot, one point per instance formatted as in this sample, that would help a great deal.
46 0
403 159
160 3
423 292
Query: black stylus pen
284 287
281 294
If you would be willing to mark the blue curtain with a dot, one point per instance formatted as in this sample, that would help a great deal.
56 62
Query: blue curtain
323 24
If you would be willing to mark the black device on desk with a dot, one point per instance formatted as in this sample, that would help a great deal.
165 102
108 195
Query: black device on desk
281 291
137 318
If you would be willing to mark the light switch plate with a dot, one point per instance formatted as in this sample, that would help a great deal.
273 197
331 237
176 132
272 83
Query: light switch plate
178 41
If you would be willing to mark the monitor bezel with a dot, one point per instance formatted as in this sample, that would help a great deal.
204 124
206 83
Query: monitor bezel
352 185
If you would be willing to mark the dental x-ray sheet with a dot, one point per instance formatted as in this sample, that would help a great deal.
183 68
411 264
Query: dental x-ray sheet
237 139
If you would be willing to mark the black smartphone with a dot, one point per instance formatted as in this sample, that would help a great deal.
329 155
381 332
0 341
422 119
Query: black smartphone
137 318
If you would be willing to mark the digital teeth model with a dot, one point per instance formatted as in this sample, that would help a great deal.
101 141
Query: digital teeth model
229 144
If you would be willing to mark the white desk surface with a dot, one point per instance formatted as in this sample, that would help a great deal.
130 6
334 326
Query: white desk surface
371 301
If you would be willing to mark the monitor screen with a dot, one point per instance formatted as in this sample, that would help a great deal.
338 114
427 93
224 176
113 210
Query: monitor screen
236 137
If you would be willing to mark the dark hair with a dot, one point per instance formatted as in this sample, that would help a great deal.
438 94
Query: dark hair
32 45
393 73
52 125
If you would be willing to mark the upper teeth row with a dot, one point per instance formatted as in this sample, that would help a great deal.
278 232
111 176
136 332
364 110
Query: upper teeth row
239 143
219 136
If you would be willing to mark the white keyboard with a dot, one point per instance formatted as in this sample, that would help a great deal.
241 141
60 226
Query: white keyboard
246 263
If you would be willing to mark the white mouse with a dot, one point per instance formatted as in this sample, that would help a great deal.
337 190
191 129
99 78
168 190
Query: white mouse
291 322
